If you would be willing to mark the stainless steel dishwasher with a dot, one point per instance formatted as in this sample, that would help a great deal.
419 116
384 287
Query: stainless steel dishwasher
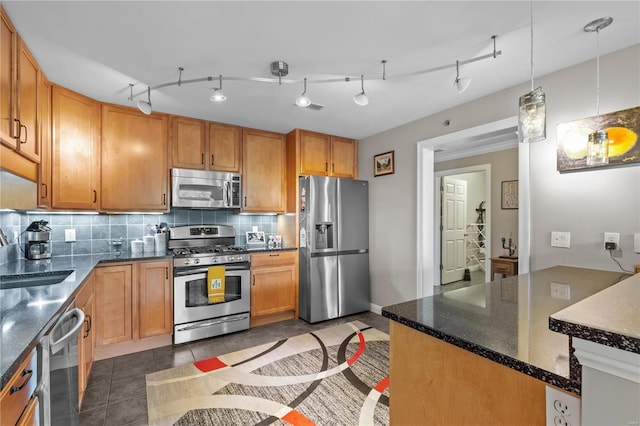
58 370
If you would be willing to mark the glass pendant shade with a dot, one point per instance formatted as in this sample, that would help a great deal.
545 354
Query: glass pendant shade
532 123
462 83
145 107
598 148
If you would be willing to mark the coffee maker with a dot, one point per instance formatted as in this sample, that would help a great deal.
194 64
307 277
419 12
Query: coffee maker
38 245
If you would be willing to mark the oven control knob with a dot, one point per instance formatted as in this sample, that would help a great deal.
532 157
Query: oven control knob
187 262
196 261
214 260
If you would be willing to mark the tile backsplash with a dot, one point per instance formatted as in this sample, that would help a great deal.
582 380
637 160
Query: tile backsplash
94 233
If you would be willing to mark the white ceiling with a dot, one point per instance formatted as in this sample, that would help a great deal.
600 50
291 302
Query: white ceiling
99 47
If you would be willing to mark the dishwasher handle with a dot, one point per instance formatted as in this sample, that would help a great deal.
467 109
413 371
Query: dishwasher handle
78 315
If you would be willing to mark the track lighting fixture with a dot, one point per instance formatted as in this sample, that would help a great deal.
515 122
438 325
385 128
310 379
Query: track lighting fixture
598 142
361 99
532 121
302 100
280 69
143 106
218 96
461 83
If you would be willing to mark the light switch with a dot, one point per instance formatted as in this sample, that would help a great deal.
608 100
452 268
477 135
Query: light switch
560 239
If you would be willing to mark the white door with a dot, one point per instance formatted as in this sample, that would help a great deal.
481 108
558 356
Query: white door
454 219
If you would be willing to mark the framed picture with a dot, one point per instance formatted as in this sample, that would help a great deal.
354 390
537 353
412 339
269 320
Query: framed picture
623 128
509 197
383 164
256 237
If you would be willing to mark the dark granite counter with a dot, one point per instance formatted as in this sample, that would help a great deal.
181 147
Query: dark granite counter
618 328
507 321
27 313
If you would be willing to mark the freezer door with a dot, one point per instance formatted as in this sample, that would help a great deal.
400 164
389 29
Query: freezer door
353 279
321 292
353 214
321 214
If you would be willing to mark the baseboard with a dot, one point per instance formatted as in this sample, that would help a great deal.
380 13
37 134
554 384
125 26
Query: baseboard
118 349
376 309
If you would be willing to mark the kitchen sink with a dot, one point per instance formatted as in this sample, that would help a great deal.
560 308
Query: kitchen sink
33 280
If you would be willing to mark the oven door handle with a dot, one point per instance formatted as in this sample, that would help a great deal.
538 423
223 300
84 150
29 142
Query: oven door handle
213 322
205 269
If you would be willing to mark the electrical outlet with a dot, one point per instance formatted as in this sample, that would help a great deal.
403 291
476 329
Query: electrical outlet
69 235
560 291
563 409
611 240
560 239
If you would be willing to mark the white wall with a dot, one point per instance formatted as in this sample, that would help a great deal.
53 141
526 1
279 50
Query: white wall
583 203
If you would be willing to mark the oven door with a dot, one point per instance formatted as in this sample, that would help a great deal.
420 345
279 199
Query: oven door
190 297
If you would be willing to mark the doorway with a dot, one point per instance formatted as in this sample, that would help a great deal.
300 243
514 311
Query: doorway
470 256
427 246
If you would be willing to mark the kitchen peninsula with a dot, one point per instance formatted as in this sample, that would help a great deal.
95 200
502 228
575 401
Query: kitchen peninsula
487 348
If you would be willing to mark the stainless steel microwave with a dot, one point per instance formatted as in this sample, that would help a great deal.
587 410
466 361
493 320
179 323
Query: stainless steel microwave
203 189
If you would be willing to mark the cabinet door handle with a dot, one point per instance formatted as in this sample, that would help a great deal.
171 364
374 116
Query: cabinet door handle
22 126
164 199
13 129
274 255
202 158
326 167
245 201
333 167
213 159
87 319
19 388
44 192
95 196
253 279
166 273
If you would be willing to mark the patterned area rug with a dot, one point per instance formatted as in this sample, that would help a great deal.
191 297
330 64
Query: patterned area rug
335 376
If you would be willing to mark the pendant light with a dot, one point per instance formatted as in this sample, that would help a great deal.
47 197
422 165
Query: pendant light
218 96
598 143
143 106
532 122
461 83
361 98
302 100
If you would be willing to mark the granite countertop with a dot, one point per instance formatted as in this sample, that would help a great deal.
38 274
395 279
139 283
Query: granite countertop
618 328
27 313
507 321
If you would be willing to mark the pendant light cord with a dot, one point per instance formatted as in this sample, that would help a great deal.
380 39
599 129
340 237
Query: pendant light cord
598 77
531 45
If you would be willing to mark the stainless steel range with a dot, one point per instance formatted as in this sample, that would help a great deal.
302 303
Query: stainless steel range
195 249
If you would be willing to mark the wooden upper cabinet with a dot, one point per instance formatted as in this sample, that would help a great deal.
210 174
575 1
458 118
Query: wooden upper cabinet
44 173
224 147
315 153
188 143
27 103
344 157
324 155
74 150
134 167
19 78
263 171
202 145
8 54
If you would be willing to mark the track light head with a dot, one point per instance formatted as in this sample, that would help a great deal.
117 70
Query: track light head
302 100
217 95
461 83
361 98
143 106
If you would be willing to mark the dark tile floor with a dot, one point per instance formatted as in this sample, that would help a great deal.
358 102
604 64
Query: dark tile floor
116 393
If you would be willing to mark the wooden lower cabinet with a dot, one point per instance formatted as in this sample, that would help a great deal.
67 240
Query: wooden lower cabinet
436 383
134 307
17 401
274 287
86 339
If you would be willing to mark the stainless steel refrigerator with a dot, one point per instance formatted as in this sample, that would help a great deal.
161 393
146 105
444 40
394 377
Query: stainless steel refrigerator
334 247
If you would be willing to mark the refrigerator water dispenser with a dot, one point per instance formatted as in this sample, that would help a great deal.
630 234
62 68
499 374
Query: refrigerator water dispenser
324 236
